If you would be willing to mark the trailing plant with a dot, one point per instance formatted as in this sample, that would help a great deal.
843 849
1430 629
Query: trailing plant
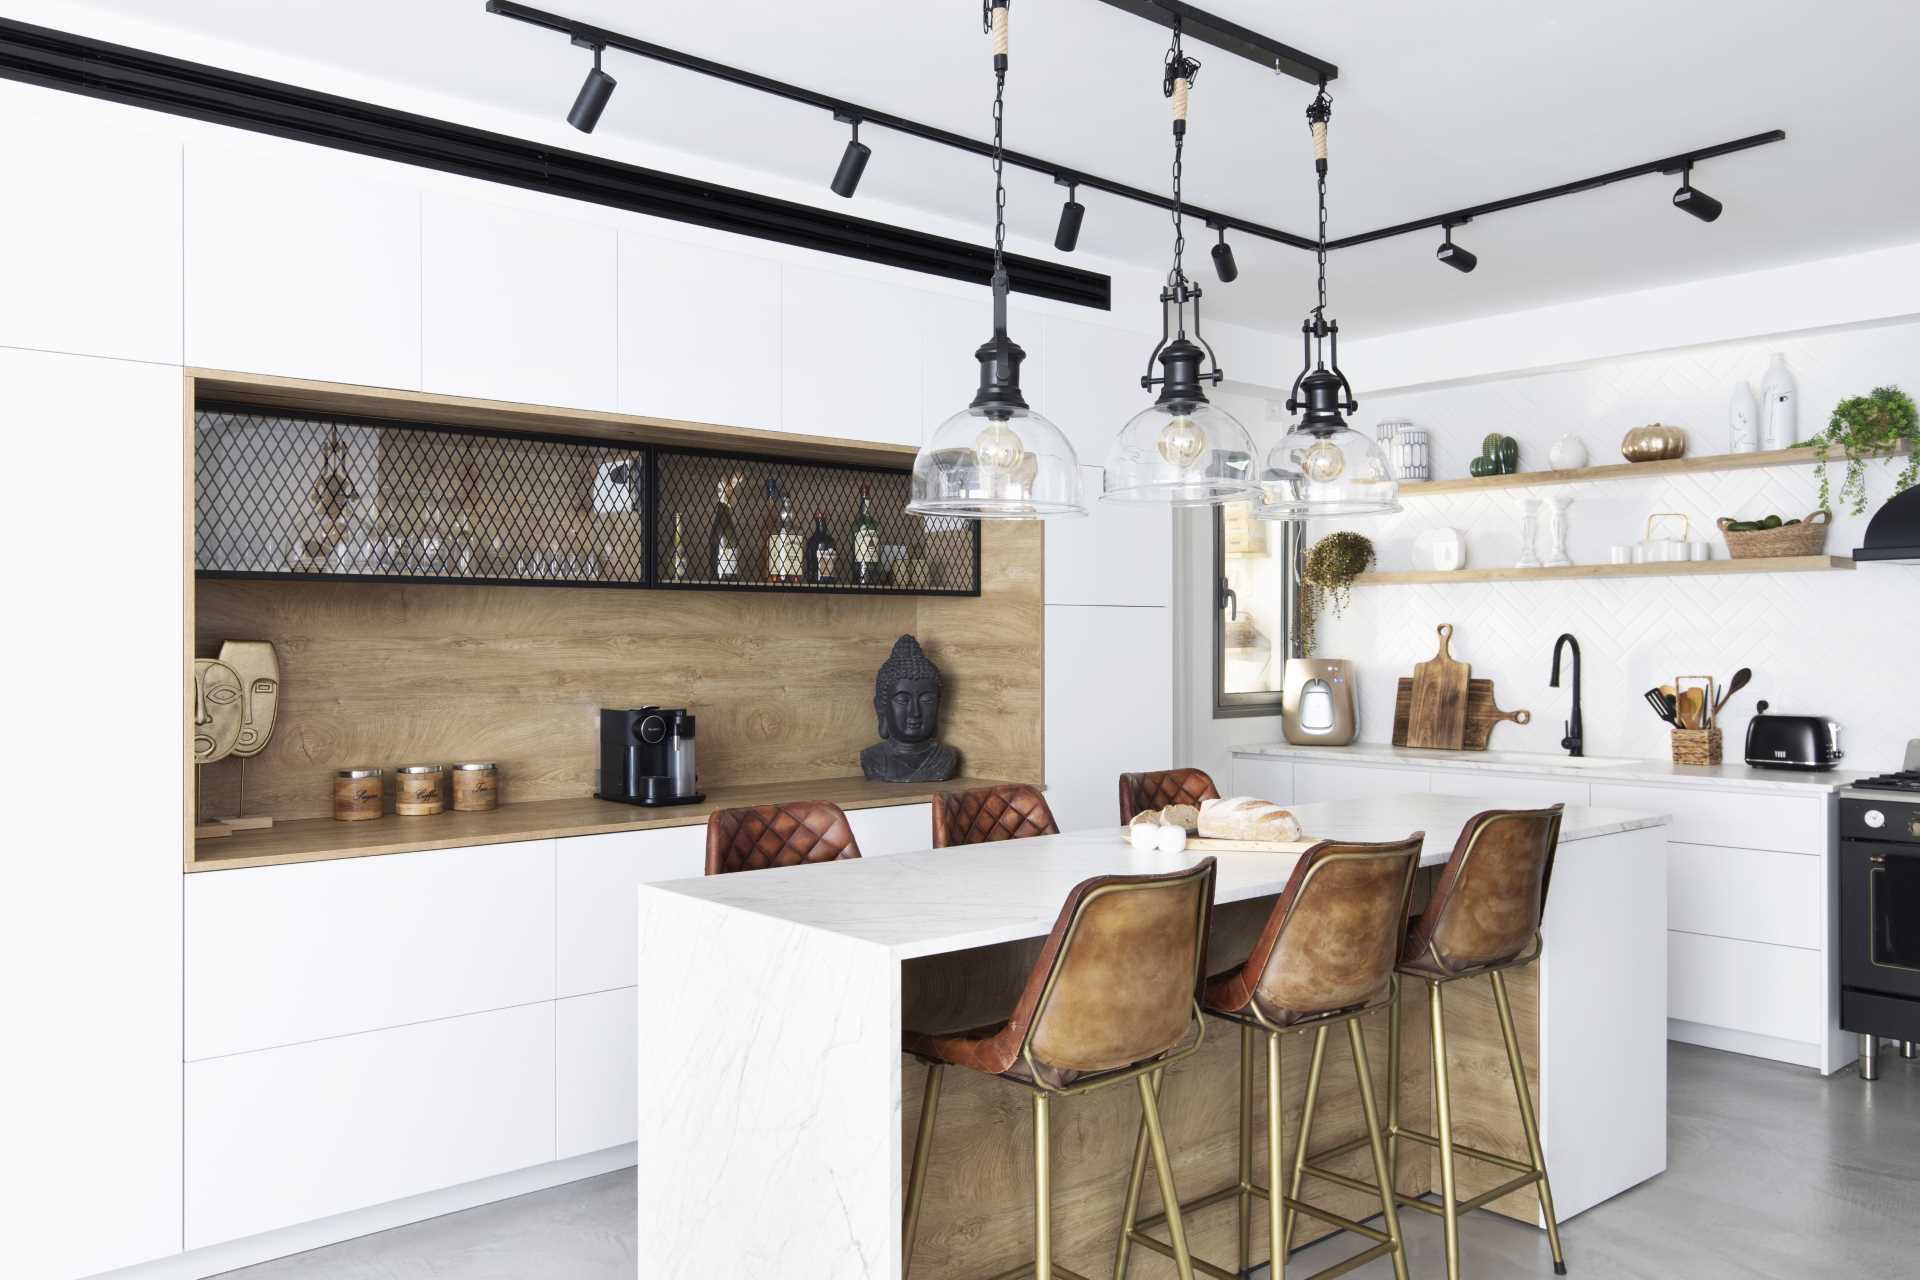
1879 423
1332 565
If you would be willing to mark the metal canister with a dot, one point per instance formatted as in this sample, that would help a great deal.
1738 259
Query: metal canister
359 794
419 790
476 787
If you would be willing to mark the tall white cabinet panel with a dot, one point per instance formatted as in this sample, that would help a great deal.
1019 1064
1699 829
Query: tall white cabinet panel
1120 554
518 304
1109 700
90 925
277 955
595 1047
597 876
699 333
849 357
1092 382
323 284
288 1135
90 240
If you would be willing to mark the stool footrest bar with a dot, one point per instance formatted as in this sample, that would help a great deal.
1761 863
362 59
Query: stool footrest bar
1462 1149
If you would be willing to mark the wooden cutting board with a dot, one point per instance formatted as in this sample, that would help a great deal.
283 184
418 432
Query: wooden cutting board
1437 716
1482 714
1208 844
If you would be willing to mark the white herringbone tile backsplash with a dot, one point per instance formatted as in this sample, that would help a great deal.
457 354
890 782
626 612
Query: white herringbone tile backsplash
1834 644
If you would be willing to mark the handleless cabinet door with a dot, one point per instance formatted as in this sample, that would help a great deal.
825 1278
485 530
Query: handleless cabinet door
1508 790
1109 707
1314 781
323 284
1271 780
1120 554
597 878
517 304
1092 382
895 828
596 1047
850 357
699 333
1730 819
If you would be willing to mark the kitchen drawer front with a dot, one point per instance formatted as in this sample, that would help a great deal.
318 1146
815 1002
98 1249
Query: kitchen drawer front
1271 780
1746 986
292 1134
278 955
1730 819
1314 781
597 948
1509 790
898 828
1756 895
595 1043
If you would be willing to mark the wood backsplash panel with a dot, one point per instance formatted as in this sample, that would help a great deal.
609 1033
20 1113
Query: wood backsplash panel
391 674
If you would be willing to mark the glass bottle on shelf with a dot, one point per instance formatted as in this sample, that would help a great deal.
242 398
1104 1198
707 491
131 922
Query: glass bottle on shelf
762 547
823 556
866 542
723 541
786 549
677 562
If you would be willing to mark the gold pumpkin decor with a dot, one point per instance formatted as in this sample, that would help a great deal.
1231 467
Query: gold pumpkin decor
1654 442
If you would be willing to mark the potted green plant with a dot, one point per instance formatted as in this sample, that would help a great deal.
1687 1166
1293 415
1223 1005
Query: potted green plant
1332 565
1881 423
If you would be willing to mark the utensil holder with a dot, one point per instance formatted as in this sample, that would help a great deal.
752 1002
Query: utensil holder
1697 746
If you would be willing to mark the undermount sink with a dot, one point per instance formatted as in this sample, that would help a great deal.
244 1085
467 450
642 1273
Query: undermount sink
1543 760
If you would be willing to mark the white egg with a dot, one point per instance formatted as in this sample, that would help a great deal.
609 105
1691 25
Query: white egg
1171 839
1144 836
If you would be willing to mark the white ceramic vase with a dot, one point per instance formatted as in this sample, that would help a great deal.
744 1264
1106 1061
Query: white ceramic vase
1529 533
1779 406
1569 453
1743 420
1557 530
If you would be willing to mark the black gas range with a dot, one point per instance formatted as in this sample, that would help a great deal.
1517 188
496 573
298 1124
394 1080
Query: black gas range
1880 912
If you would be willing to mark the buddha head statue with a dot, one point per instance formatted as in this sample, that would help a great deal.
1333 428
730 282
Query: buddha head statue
217 710
257 666
906 695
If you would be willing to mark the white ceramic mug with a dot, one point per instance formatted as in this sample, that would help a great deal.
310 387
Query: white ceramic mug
1624 554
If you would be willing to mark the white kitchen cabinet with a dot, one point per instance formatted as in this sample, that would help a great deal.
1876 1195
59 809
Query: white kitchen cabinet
1270 780
849 357
89 240
325 284
277 955
1755 895
90 921
699 333
517 304
1109 707
288 1135
595 1046
1731 819
1092 382
1748 987
1508 790
595 899
1315 781
896 828
1120 554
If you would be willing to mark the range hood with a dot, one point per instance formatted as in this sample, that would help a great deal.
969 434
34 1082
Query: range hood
1893 535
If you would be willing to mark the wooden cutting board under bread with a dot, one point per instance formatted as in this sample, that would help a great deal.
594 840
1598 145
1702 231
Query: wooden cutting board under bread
1211 844
1437 715
1483 713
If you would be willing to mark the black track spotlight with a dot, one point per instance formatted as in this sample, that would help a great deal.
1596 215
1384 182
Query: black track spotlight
1066 236
1453 255
592 98
853 161
1223 264
1698 203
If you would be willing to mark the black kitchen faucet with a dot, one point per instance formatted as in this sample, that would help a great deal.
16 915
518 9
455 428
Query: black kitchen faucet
1573 742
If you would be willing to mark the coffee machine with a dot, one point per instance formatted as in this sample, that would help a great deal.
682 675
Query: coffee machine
647 756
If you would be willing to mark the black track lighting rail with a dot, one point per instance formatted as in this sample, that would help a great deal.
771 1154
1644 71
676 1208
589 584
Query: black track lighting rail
1198 24
1670 164
585 33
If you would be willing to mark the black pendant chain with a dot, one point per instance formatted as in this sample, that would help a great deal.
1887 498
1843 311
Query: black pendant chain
1319 113
999 179
1178 74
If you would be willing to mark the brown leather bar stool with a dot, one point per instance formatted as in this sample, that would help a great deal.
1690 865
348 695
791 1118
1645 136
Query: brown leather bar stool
1483 919
777 835
1325 958
1142 791
1112 998
1008 811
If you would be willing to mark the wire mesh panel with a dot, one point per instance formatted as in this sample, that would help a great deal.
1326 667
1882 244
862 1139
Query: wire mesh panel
289 496
744 523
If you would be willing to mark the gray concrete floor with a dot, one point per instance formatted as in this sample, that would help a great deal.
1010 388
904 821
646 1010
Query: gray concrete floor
1772 1172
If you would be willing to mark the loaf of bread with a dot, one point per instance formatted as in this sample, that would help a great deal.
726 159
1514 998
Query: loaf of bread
1245 818
1183 816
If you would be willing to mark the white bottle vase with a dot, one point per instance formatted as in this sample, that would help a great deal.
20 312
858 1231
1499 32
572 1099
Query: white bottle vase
1779 406
1529 533
1557 530
1569 453
1743 420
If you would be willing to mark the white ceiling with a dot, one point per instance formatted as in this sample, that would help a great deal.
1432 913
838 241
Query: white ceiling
1437 107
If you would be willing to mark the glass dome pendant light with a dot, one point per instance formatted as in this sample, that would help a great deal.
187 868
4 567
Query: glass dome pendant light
1181 451
1322 467
997 458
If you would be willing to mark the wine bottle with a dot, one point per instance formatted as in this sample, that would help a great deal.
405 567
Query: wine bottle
866 542
723 542
762 546
823 557
677 565
786 551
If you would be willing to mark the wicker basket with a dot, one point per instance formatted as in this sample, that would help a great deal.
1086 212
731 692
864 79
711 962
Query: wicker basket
1808 538
1697 746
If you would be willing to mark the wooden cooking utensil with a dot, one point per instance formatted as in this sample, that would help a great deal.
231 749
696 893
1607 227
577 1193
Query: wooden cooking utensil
1740 680
1438 716
1483 713
1693 700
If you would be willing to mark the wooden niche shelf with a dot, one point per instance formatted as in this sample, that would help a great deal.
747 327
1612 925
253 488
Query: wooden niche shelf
1803 455
1675 569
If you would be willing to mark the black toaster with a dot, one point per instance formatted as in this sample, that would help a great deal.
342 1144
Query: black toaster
1792 742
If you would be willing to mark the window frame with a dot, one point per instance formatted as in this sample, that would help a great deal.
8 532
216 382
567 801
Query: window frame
1229 706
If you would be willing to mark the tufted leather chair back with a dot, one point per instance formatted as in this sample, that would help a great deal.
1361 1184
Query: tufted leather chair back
1140 792
1334 936
1005 812
777 835
1486 907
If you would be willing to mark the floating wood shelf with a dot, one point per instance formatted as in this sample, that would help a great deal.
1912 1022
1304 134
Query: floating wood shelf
1803 455
1677 569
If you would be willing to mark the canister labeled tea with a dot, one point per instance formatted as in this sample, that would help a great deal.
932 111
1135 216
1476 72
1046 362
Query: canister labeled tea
476 787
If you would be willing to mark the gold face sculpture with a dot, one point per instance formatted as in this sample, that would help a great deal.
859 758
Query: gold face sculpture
258 667
218 696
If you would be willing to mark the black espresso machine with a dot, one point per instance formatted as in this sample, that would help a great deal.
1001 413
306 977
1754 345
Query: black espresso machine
647 756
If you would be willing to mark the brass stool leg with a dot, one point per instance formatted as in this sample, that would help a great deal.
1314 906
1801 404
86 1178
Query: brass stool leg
1306 1135
1443 1108
1363 1074
1123 1250
1393 1082
1276 1203
1525 1098
1042 1191
1245 1198
1163 1169
917 1179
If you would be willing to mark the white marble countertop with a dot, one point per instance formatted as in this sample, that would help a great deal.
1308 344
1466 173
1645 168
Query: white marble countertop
1732 776
942 900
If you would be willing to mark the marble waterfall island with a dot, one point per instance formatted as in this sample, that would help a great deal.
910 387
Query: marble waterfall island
776 1109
